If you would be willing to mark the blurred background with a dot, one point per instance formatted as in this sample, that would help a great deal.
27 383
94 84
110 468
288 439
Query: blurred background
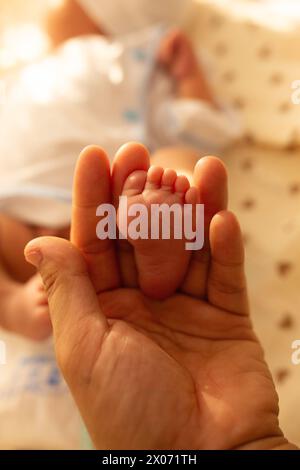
251 50
21 33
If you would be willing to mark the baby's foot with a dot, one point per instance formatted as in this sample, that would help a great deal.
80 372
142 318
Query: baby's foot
29 312
162 263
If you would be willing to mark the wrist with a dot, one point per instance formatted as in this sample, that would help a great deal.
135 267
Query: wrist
269 443
194 86
190 86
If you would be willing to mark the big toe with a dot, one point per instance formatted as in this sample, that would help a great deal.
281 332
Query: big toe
135 183
131 158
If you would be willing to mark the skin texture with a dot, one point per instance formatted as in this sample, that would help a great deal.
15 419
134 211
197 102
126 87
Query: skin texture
162 264
185 373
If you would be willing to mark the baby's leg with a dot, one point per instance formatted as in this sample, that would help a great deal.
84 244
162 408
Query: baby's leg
23 306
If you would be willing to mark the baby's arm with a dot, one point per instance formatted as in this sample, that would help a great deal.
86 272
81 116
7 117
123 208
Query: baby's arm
23 305
7 291
190 117
178 57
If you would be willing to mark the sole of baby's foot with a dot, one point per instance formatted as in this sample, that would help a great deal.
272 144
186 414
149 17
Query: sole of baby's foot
162 262
29 311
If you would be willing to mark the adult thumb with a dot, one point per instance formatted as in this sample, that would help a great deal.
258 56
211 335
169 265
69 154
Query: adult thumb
77 319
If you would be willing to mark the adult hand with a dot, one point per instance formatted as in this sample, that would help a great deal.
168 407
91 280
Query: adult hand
186 373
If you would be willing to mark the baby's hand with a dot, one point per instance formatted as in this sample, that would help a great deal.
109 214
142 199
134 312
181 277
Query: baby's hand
177 55
30 310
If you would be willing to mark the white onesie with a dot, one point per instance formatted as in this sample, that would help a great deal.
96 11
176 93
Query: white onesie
92 91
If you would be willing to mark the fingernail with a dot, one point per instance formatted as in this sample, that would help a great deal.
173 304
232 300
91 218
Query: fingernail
34 257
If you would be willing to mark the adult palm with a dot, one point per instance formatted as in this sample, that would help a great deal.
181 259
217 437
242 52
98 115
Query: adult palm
185 373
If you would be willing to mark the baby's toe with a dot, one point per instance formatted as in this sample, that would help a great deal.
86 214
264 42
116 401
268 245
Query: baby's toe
192 196
130 158
135 183
182 184
168 179
154 177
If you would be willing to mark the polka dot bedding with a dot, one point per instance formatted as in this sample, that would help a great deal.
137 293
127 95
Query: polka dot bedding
253 57
265 195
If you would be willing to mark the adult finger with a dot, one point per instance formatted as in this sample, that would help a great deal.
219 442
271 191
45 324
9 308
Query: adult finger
92 188
78 322
210 178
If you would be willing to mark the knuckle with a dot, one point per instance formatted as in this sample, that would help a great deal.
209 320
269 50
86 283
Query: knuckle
227 287
50 282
